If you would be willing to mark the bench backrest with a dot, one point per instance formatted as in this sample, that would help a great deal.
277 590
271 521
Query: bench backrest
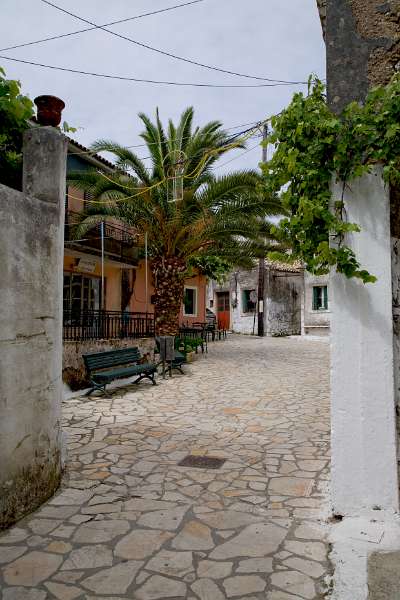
111 358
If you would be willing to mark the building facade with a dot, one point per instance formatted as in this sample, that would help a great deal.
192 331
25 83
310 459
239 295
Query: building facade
107 294
294 301
316 314
235 302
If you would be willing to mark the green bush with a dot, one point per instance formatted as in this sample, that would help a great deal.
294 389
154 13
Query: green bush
15 110
187 344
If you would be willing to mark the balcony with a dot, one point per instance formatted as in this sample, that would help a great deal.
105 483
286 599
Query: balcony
119 242
79 326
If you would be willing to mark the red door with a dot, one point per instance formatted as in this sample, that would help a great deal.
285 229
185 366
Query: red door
223 310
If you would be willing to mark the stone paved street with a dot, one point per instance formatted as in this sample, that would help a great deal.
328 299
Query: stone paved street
131 523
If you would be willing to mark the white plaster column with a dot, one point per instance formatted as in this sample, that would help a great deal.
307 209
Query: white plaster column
364 453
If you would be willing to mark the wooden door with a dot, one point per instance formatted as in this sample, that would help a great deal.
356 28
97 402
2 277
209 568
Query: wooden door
223 310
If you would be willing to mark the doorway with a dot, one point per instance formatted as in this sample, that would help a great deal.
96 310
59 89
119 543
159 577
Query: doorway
223 310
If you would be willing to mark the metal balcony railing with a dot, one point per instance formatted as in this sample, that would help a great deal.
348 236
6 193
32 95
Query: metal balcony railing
106 324
119 242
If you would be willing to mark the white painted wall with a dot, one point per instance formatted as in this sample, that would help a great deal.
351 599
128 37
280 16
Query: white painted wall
315 322
364 454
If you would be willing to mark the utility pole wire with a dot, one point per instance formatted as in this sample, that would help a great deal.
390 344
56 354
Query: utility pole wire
169 54
138 80
63 35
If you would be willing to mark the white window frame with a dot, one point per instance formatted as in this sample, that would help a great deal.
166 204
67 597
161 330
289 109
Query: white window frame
196 297
322 309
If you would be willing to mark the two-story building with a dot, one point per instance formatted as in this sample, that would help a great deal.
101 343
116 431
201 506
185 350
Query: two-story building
108 285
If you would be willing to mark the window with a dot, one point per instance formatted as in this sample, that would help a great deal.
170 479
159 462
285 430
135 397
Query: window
190 302
81 293
223 302
320 297
249 300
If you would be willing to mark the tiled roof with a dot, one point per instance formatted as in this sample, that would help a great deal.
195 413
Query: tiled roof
87 154
276 265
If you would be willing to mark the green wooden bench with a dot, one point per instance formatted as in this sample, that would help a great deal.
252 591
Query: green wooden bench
104 367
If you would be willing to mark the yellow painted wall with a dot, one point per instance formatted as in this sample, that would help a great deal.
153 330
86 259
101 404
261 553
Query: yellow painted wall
112 276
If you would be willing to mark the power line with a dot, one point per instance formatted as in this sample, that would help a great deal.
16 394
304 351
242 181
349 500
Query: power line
63 35
169 54
238 156
136 79
93 152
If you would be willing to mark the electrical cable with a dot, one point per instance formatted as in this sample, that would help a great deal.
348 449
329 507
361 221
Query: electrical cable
240 137
138 80
143 191
236 157
169 54
63 35
94 152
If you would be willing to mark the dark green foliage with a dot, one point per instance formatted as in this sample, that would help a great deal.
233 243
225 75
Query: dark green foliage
15 110
212 266
188 344
311 146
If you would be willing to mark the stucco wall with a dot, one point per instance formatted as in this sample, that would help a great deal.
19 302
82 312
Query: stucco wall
241 321
73 370
362 391
282 301
283 295
112 275
315 322
31 245
138 301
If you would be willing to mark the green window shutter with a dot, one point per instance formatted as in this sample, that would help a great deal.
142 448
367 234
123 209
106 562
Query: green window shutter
315 298
326 297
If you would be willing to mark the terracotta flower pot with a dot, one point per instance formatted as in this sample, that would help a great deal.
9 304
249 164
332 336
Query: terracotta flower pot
49 109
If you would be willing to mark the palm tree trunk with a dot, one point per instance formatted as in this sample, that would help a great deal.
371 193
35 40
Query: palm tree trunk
168 296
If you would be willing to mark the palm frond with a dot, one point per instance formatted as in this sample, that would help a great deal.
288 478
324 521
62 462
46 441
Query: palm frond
125 158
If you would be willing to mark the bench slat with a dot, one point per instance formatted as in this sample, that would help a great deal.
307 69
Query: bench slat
97 362
110 358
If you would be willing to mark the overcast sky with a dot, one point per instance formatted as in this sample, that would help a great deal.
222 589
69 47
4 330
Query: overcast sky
278 39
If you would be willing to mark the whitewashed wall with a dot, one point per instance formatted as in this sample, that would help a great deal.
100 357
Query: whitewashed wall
364 453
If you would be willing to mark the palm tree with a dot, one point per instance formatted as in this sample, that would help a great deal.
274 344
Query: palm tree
182 206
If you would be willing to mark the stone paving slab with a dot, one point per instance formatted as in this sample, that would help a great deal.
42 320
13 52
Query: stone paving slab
130 523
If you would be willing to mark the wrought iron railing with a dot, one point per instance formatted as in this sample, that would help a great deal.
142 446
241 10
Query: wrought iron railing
106 324
119 243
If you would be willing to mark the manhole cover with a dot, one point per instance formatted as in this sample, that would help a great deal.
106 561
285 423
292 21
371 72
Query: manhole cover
202 462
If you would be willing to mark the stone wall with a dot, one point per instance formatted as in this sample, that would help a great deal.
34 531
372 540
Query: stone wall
31 246
363 47
283 292
74 372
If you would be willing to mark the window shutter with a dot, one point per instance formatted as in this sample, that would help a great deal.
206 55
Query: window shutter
326 297
315 298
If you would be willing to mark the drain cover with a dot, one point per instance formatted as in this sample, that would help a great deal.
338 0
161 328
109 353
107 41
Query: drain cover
202 462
